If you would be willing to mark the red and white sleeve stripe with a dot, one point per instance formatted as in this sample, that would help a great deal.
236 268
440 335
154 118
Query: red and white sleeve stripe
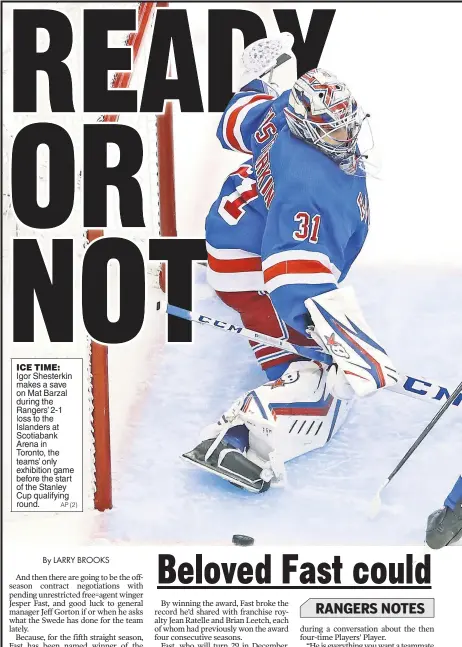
298 266
234 270
234 118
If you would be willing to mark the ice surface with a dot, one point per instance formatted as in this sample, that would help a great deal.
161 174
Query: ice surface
158 498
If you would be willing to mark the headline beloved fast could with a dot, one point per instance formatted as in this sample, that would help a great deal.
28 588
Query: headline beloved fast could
292 569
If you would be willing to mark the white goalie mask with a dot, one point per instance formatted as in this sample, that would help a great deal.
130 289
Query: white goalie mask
323 112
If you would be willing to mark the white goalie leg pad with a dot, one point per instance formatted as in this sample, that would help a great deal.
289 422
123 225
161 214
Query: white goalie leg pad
340 326
229 419
292 415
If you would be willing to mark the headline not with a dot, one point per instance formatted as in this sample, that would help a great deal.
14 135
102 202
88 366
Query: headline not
32 279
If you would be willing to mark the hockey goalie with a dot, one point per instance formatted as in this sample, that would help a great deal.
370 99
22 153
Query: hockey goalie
281 236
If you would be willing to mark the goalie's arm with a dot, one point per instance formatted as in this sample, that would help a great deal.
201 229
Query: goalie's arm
246 110
243 116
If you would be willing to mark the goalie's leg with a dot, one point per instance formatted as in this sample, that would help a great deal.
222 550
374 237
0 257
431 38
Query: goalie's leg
269 426
258 313
444 526
222 457
235 270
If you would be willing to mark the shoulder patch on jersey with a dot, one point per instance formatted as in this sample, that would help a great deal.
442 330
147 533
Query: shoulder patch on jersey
364 209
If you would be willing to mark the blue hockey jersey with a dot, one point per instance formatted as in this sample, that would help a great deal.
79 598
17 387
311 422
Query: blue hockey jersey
455 496
317 216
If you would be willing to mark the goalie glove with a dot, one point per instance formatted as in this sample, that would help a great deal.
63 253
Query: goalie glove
263 56
341 328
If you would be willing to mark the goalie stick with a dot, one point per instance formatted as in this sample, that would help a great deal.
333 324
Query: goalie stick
377 501
414 387
283 344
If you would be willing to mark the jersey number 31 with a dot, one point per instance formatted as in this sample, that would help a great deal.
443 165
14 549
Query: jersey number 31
308 227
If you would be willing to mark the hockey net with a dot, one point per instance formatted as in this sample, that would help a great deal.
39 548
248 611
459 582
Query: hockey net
109 407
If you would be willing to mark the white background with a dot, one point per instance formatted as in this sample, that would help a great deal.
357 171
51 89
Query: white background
403 63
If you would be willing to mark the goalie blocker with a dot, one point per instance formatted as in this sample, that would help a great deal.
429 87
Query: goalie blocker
363 366
302 410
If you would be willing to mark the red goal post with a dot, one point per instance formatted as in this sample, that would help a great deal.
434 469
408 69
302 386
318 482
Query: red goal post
167 227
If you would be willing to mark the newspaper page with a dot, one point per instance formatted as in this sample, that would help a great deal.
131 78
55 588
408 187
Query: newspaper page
231 324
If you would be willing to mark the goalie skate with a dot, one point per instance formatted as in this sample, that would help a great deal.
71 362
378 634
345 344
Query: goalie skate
231 465
444 527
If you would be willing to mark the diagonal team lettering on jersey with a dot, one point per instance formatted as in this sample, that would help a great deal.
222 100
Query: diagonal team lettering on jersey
267 128
265 181
232 206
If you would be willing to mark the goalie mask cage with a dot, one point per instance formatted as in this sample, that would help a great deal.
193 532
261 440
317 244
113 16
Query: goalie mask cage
108 403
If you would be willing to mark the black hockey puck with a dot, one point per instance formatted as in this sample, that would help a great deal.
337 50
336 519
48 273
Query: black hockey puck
243 540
